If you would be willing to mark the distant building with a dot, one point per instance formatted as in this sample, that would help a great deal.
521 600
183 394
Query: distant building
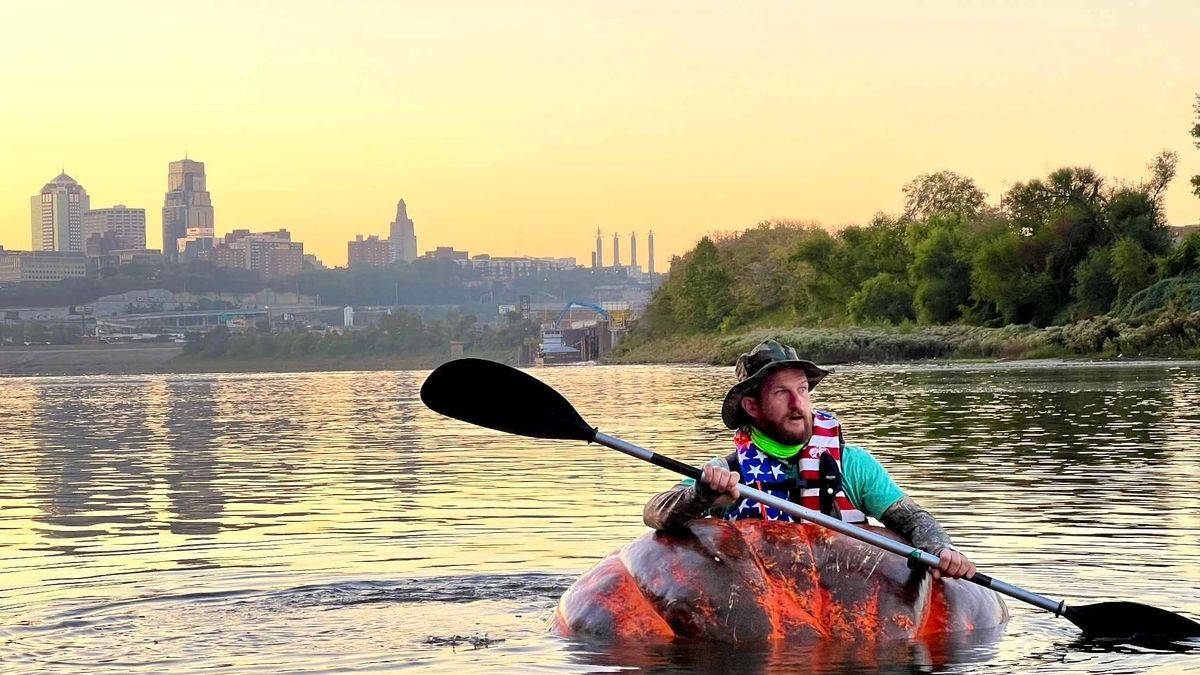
222 255
115 258
499 268
139 256
310 259
126 224
272 254
56 215
195 244
281 261
370 251
26 266
402 235
10 265
633 250
187 207
102 243
446 253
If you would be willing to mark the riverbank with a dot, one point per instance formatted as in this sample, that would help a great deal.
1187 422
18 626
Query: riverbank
1170 336
303 364
91 359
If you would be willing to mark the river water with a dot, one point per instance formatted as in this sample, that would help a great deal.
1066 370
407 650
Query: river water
329 522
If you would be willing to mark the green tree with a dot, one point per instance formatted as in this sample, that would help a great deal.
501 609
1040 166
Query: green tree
1004 273
818 291
1184 258
705 296
942 280
1031 206
1095 290
1132 268
943 192
1162 171
1136 215
884 297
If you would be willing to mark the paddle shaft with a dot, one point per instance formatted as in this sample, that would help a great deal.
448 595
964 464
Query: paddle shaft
853 531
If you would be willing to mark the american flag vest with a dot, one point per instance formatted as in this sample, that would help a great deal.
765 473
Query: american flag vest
760 470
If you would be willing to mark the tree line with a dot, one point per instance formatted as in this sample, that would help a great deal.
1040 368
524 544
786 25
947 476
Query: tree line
1049 251
400 333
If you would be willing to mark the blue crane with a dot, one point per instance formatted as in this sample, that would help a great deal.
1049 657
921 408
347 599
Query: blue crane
587 305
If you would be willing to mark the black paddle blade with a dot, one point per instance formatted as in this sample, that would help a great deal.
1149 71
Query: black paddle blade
500 397
1131 620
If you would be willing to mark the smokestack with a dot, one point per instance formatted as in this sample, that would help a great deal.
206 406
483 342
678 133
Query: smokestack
616 250
633 249
599 249
593 259
650 251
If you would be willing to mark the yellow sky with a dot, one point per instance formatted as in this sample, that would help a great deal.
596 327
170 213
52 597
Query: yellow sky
520 127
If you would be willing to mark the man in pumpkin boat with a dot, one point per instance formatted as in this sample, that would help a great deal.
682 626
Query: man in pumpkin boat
784 447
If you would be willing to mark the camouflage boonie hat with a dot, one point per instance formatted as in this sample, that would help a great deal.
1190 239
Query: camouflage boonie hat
753 367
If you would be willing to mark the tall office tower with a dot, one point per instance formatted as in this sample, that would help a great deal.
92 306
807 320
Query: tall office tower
633 249
650 252
187 209
616 250
403 238
127 226
56 215
599 249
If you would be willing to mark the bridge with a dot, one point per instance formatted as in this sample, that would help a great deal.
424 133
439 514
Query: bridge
205 319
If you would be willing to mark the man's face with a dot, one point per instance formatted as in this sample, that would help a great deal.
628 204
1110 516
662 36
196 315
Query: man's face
781 409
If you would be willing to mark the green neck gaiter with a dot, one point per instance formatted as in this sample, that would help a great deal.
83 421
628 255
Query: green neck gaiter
772 447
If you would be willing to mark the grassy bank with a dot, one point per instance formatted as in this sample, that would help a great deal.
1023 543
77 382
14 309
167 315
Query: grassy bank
1169 335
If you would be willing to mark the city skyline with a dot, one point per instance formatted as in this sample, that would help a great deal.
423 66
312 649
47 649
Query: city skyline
560 118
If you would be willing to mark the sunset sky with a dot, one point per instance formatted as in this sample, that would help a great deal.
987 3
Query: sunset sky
518 128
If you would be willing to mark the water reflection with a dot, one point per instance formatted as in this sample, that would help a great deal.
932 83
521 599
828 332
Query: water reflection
837 658
1076 482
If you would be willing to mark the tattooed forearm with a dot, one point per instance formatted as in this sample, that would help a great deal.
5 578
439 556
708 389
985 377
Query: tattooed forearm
678 506
907 519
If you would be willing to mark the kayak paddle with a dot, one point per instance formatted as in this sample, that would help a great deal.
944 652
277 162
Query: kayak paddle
496 396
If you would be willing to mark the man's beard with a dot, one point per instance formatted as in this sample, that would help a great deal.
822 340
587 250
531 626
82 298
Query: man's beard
780 435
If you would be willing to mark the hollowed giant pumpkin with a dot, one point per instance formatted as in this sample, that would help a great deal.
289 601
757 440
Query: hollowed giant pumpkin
751 580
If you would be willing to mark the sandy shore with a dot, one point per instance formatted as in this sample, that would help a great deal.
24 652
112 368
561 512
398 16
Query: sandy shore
87 359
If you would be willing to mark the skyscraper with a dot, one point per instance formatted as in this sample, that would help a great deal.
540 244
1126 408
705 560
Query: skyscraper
616 250
633 249
403 237
127 225
56 215
650 253
598 261
187 207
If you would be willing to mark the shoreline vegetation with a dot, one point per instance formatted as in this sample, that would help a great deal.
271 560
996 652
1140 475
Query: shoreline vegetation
1172 336
1072 265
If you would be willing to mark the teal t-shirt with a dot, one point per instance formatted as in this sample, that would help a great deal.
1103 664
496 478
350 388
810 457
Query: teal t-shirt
864 480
